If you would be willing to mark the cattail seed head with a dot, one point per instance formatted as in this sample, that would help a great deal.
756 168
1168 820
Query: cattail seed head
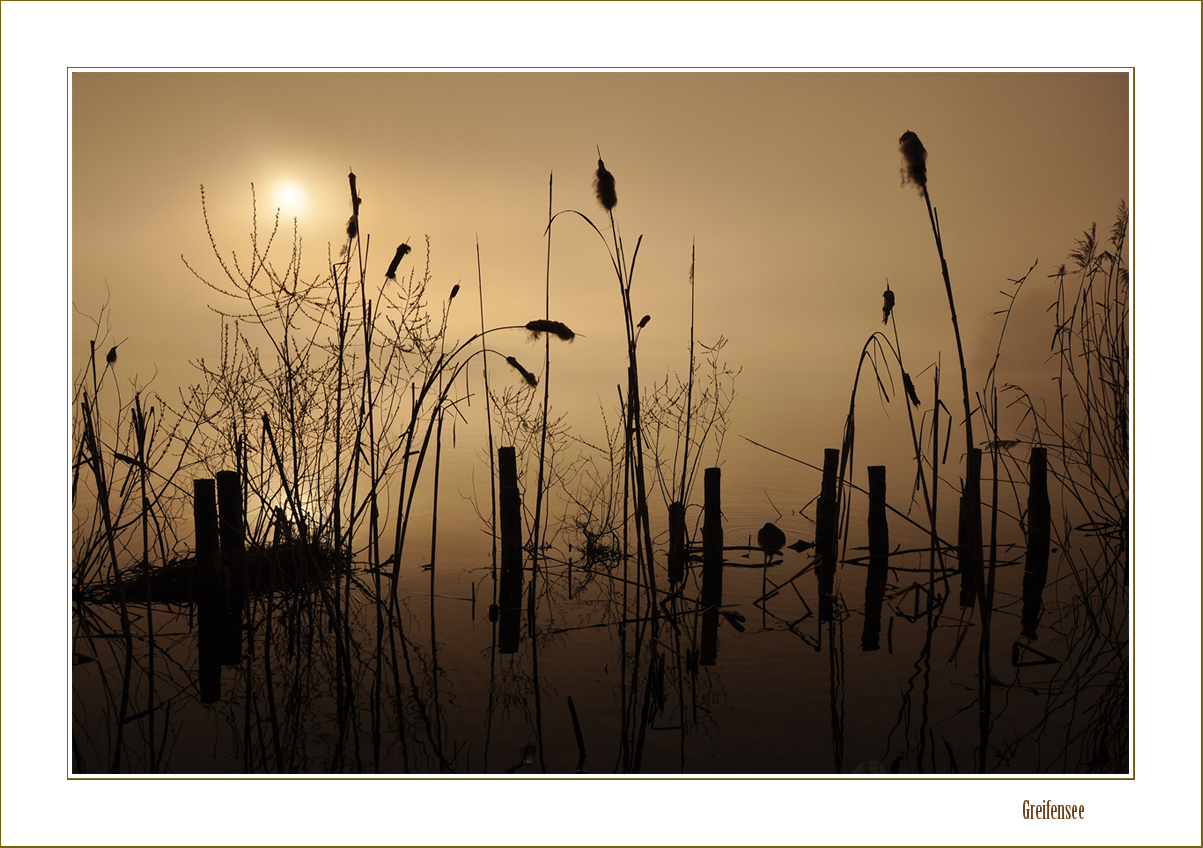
353 223
402 249
526 375
887 305
603 184
454 291
355 199
557 329
914 158
910 388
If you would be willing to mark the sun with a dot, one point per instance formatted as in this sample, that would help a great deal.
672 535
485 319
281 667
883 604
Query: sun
290 199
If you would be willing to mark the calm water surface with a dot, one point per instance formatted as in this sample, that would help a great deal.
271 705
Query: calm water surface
316 685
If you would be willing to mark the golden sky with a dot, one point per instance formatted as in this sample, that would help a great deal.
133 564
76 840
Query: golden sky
788 182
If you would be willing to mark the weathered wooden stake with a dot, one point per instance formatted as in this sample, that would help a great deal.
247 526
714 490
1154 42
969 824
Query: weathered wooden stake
879 550
712 566
676 542
208 603
510 519
971 505
826 541
233 567
229 504
967 589
1035 571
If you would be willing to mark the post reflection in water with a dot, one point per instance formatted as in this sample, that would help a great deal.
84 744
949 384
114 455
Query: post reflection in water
313 667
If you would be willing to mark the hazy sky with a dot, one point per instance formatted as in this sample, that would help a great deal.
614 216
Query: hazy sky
787 182
790 187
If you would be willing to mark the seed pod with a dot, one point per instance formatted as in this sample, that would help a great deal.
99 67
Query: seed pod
454 291
526 375
402 249
353 223
557 329
643 322
888 304
914 157
603 184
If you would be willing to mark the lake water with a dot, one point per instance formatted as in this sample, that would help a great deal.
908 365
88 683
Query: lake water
323 679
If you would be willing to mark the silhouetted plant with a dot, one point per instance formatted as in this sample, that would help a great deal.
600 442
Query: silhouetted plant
633 418
1087 441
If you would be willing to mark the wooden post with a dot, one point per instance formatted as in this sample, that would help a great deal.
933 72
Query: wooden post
208 605
1035 571
233 565
712 566
676 542
826 533
229 504
969 592
510 518
972 509
879 550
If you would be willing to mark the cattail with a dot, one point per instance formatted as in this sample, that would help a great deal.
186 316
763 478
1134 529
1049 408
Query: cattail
557 329
402 249
914 157
526 375
454 292
643 322
603 184
353 222
888 304
910 388
112 355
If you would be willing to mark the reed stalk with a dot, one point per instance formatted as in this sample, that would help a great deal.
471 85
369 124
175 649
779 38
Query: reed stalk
536 540
915 158
489 423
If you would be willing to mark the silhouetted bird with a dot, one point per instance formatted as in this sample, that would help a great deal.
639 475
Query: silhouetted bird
770 538
112 357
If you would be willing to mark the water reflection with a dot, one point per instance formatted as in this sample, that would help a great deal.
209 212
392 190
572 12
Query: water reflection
320 668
